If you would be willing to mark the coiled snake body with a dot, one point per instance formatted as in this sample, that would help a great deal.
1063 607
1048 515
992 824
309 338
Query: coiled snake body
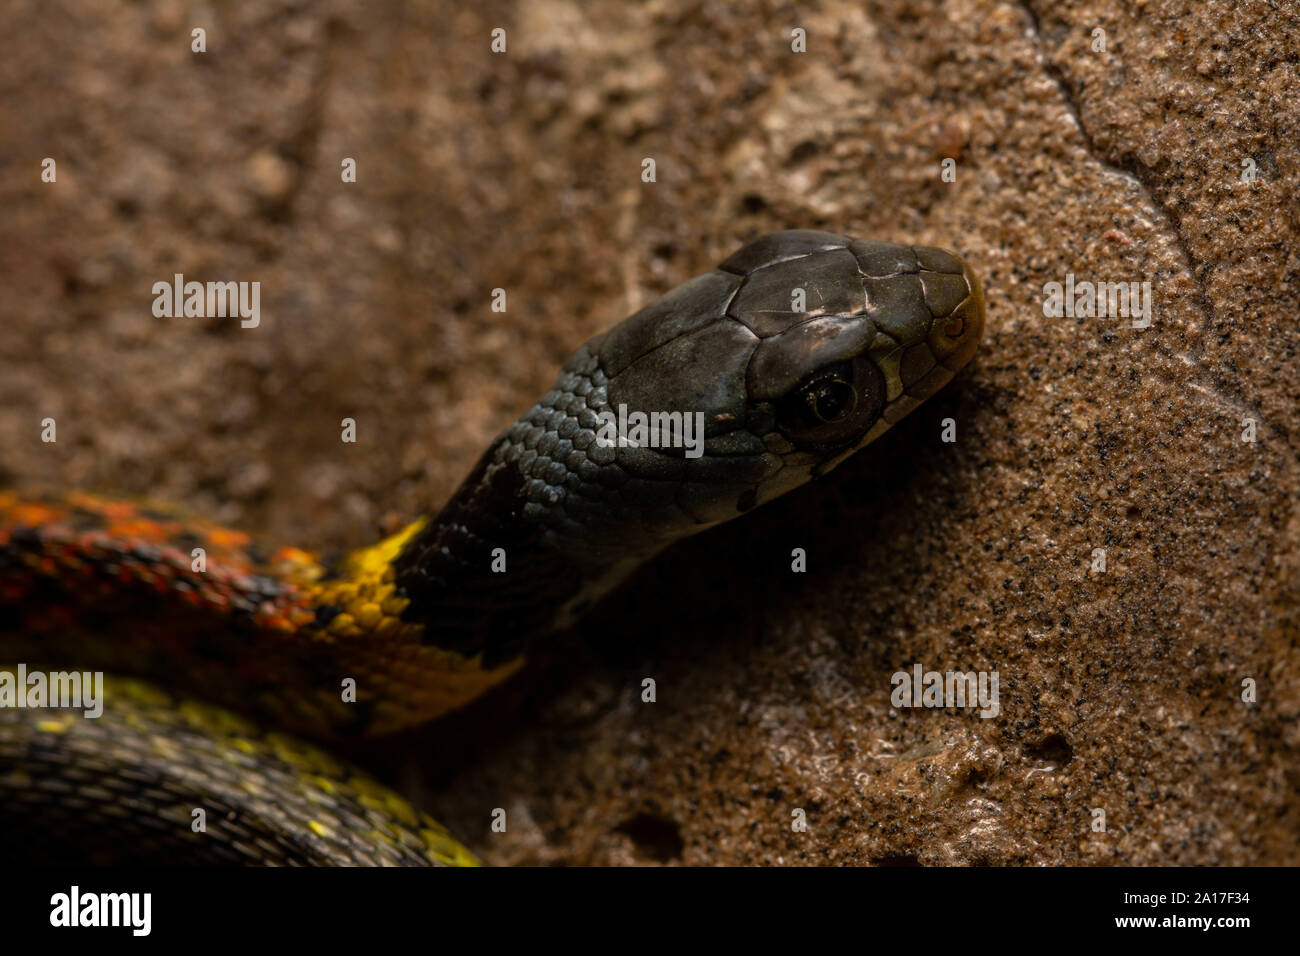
797 350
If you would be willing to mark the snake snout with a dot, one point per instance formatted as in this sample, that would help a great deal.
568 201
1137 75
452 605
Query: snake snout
957 307
967 321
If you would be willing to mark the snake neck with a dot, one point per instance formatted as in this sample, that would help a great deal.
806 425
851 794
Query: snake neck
539 531
494 571
480 578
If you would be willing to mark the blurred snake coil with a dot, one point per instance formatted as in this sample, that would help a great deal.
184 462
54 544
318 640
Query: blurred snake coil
234 655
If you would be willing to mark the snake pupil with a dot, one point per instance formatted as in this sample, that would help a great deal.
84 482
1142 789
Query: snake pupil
833 406
833 400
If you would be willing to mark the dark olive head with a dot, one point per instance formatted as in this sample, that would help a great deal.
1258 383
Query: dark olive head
886 327
797 350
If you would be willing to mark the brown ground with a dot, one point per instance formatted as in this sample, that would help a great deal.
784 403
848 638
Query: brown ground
1120 691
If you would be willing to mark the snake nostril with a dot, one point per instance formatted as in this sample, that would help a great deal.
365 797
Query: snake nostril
956 325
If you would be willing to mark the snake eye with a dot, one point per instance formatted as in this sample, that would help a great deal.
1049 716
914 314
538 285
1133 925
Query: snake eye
956 326
830 398
833 406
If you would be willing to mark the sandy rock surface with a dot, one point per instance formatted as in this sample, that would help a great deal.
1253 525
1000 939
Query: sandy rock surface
1120 691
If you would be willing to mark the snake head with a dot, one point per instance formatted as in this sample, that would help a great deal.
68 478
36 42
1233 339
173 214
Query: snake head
769 370
885 327
795 352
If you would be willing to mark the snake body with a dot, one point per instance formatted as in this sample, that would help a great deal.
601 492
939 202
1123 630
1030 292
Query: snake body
798 350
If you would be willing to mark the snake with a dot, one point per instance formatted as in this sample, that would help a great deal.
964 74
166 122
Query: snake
229 666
